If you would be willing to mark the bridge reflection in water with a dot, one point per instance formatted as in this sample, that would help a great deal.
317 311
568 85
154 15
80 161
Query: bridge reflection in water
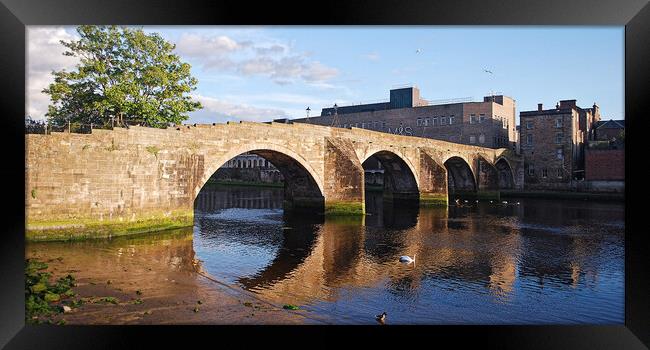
475 263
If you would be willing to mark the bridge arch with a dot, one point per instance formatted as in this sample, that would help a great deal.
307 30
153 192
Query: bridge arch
506 174
400 180
305 185
460 176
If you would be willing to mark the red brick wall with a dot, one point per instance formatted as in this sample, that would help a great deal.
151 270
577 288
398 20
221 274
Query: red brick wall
604 164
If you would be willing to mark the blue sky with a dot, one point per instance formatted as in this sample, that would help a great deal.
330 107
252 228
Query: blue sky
261 73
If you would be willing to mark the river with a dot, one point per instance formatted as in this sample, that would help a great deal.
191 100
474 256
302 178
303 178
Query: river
527 261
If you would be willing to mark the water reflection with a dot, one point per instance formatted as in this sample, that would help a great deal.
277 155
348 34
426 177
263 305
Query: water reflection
536 262
150 261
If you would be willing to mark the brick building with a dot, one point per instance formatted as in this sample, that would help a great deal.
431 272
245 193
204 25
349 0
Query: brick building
490 123
609 130
552 142
605 154
604 164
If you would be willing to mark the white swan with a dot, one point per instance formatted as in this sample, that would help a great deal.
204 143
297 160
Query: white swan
407 259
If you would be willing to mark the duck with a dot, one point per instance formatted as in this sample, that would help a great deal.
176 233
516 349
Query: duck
407 259
381 317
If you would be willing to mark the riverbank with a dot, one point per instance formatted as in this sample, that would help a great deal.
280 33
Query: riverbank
150 279
563 195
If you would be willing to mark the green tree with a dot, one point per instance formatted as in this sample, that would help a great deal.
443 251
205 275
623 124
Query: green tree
125 74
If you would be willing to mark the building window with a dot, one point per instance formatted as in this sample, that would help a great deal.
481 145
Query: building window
383 125
529 125
529 139
544 173
419 122
472 118
376 124
451 119
481 139
481 118
434 121
443 120
559 153
531 169
426 121
558 137
558 123
559 172
472 139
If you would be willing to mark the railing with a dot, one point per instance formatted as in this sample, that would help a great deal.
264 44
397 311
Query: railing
447 101
77 128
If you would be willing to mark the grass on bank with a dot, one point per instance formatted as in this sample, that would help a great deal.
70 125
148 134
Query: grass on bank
79 229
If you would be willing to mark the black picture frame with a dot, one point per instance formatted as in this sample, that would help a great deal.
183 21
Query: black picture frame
16 14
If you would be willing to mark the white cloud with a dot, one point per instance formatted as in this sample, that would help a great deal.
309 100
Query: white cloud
219 111
273 60
373 56
316 72
278 97
197 46
44 54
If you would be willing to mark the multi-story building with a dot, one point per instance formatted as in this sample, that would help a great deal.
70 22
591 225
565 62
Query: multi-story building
249 160
552 144
248 167
490 123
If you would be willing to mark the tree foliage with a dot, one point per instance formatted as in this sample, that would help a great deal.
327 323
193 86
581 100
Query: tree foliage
123 73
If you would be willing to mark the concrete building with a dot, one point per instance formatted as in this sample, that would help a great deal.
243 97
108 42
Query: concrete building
552 142
490 123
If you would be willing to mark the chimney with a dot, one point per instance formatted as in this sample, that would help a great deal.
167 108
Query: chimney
539 107
566 104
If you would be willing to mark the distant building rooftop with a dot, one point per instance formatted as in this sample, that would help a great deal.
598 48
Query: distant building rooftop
610 124
402 97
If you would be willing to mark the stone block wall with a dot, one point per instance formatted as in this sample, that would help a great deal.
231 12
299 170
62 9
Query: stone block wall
140 179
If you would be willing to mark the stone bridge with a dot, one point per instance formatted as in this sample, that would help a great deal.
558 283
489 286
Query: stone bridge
143 179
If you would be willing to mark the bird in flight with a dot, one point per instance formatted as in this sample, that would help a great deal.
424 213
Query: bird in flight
487 71
418 50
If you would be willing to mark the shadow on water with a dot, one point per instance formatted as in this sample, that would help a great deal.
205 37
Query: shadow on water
533 262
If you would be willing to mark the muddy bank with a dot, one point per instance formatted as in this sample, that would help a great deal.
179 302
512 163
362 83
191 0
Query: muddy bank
154 279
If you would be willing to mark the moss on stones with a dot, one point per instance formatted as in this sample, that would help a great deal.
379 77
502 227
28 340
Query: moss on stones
89 228
434 200
344 208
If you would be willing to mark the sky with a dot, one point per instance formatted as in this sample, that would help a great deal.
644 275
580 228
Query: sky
260 73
